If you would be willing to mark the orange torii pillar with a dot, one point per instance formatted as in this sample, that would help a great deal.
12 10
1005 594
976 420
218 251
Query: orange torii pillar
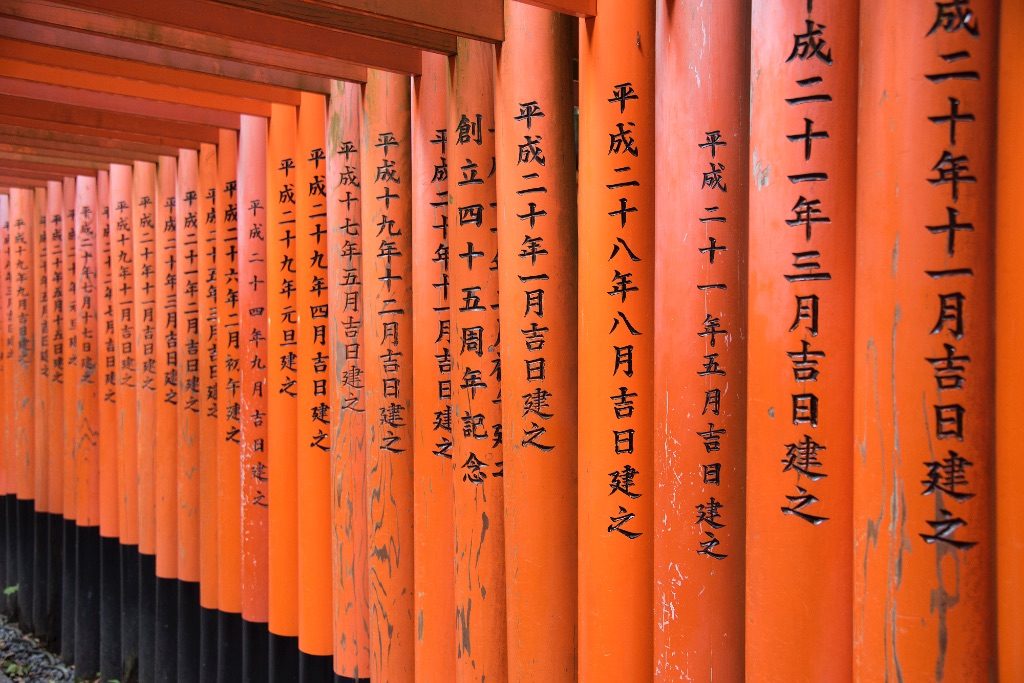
313 433
106 341
537 246
123 275
282 390
70 399
700 348
252 315
386 162
478 456
86 433
229 427
22 266
40 394
146 330
188 474
209 434
924 584
431 416
1010 324
165 463
616 342
800 362
348 433
55 400
7 568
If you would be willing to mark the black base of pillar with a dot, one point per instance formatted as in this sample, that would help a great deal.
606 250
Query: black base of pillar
129 613
6 602
110 609
67 610
54 582
284 659
147 618
166 634
346 679
229 652
26 558
315 668
87 602
40 564
255 657
208 647
189 630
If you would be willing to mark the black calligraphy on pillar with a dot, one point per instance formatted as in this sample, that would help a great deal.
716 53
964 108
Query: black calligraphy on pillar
442 340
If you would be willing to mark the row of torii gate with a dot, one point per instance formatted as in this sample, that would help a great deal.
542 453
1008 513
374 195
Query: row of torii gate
512 340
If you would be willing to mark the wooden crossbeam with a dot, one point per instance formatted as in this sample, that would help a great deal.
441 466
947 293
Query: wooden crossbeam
214 19
178 60
73 164
31 169
43 137
49 148
576 8
479 19
111 126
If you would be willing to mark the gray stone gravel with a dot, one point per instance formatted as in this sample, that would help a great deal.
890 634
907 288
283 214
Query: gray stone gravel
24 660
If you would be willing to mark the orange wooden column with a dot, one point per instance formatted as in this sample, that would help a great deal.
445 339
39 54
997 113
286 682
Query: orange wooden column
41 352
188 292
800 363
23 360
252 310
616 342
6 371
313 433
71 327
229 426
348 436
55 319
386 162
282 373
924 584
146 330
536 162
165 467
478 456
1009 467
209 426
123 275
87 305
106 341
434 522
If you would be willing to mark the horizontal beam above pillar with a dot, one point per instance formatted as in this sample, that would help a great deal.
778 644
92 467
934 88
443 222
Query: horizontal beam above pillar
48 148
44 171
72 164
576 8
39 136
184 62
478 19
105 128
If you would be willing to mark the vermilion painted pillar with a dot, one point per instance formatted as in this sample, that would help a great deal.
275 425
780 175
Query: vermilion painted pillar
313 433
146 330
616 342
478 454
6 345
433 429
252 291
386 162
348 436
123 275
21 247
168 348
282 373
535 152
70 389
106 340
41 355
86 432
924 584
209 427
1009 468
55 299
229 468
800 369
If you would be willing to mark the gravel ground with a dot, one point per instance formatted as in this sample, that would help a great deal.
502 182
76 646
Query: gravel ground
23 659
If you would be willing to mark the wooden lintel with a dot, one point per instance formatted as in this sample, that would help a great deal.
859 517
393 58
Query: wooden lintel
31 169
214 19
130 74
48 148
72 164
186 62
120 104
105 128
321 14
577 8
479 19
41 136
18 180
